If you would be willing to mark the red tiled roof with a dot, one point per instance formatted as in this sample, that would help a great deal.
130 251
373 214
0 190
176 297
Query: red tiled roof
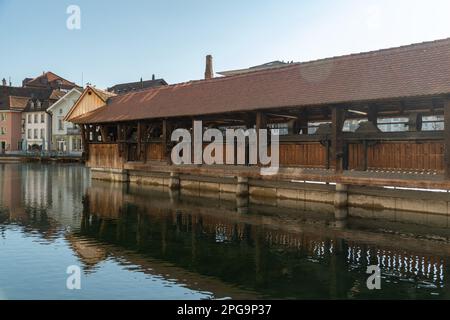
415 70
19 103
49 77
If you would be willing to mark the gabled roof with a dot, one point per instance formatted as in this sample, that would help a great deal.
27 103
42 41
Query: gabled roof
135 86
41 94
64 97
47 78
409 71
103 95
18 103
265 66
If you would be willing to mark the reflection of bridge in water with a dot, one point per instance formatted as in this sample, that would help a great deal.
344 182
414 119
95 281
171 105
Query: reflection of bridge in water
212 238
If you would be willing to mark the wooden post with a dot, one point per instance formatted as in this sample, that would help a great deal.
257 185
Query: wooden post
85 145
145 129
372 115
447 138
164 141
139 141
261 123
415 122
119 139
293 127
104 134
192 141
337 141
303 122
327 145
95 133
365 156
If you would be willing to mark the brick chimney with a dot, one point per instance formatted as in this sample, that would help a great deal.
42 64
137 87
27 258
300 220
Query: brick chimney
209 73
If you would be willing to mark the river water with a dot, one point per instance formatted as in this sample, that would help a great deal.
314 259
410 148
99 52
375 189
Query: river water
136 242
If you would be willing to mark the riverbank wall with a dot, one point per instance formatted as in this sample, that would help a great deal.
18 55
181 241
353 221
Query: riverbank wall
414 205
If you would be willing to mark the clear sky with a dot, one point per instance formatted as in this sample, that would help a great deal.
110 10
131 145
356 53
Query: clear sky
121 41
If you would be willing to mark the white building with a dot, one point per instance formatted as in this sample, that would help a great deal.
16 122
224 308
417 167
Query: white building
37 126
66 137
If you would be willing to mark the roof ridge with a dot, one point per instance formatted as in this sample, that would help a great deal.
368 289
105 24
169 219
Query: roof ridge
51 72
384 50
358 55
296 64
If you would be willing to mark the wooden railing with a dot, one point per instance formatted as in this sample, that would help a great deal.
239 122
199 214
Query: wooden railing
304 154
104 155
399 151
398 155
155 151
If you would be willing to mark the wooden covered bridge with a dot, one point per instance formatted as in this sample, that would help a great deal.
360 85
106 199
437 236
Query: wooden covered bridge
335 117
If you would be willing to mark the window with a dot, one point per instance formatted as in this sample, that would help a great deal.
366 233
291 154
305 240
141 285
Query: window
29 133
29 118
60 124
2 131
35 133
2 116
60 111
76 144
35 118
42 118
42 133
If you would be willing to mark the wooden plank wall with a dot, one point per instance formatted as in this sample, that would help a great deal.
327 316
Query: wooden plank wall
312 155
406 156
155 152
423 156
104 155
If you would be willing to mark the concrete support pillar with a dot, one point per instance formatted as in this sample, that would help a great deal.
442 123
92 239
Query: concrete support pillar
174 181
341 205
341 196
242 187
123 176
242 204
174 195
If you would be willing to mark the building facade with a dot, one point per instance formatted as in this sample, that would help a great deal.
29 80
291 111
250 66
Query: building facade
24 122
37 133
11 123
66 137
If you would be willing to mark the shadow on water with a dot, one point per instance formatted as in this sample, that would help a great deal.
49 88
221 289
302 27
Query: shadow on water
223 245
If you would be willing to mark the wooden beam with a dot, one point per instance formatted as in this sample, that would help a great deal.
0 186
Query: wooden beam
165 140
337 141
104 133
447 138
84 142
372 114
302 123
120 138
140 148
261 121
415 122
